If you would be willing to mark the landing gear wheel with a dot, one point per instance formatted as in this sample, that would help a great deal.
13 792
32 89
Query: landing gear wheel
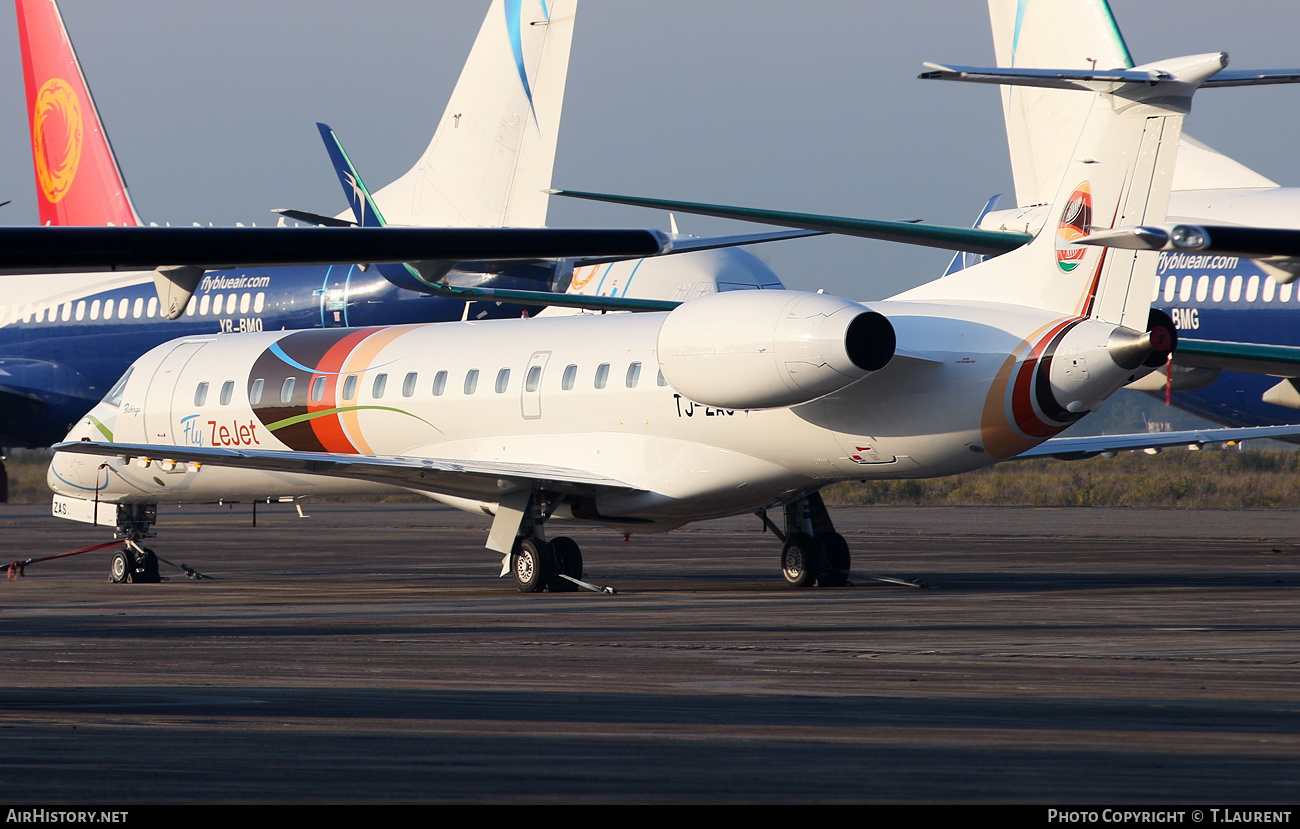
147 568
122 568
835 561
568 561
799 559
532 562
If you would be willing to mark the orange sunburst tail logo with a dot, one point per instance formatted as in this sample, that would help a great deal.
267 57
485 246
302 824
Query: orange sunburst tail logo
1076 219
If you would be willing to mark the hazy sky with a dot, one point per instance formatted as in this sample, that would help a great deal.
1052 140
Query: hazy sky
811 106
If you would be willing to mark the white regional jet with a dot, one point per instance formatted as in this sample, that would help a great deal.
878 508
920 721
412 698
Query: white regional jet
730 403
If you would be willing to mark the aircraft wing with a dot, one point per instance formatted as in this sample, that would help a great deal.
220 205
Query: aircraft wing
684 244
971 240
1078 448
93 249
1252 358
479 480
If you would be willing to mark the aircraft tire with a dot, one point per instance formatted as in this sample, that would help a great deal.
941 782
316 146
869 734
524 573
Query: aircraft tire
147 573
835 561
532 563
799 559
568 561
121 568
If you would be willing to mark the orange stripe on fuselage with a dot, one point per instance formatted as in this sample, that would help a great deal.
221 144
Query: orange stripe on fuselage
327 428
358 362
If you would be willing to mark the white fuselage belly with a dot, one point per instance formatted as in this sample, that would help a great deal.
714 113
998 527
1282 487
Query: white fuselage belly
921 416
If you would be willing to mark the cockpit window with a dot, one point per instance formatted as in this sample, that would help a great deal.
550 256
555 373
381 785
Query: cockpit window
114 396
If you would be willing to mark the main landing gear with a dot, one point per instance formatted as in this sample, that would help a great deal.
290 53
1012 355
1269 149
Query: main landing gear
812 552
535 563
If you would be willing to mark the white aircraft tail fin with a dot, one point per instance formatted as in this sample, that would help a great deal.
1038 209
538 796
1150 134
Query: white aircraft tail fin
77 178
492 154
1043 124
1119 174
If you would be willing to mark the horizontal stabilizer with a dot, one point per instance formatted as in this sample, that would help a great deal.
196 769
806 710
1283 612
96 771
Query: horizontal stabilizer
1097 79
87 249
1233 240
971 240
312 218
1079 448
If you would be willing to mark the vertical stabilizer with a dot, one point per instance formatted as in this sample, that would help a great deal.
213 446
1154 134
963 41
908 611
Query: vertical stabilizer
1119 175
77 178
1043 124
492 154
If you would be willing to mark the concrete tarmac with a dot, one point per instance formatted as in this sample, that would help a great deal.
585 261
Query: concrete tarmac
369 654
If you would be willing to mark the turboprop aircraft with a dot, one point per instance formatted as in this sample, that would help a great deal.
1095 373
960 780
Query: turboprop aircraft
65 339
731 403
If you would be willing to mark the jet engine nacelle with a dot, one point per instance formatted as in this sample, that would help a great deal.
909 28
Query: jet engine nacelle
766 349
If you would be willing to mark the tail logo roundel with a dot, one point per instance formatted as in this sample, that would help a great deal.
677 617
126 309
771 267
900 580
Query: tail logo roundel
1076 218
57 137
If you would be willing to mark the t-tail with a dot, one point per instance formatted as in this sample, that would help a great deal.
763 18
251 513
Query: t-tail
1042 123
1119 176
77 178
492 154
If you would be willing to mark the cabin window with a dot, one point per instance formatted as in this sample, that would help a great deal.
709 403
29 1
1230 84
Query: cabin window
439 383
1202 288
350 387
408 385
377 388
255 391
94 310
570 377
1219 282
503 380
227 392
602 375
259 302
201 394
65 316
317 388
1234 288
533 379
1155 289
286 389
1185 291
633 375
190 307
205 304
1252 289
245 300
471 381
137 309
660 380
152 310
81 310
40 313
1284 293
1171 285
1269 288
114 396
